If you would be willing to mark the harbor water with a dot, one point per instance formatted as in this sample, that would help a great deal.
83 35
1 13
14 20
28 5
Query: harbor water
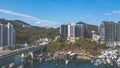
52 64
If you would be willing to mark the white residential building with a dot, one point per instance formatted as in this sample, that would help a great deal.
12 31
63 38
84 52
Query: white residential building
71 30
7 35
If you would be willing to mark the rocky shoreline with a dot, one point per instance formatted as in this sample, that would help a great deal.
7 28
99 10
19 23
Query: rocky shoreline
80 55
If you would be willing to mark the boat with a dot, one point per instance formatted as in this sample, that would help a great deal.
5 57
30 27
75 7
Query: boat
96 64
118 61
66 62
73 55
21 66
22 55
12 65
108 61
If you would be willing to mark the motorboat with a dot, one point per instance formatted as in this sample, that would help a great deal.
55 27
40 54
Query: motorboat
66 62
21 66
118 61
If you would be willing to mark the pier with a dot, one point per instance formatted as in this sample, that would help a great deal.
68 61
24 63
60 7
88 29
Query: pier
22 50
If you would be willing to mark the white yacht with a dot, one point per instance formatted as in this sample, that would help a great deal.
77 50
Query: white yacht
66 62
21 66
118 61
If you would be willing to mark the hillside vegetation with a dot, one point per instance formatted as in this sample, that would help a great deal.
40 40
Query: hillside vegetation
82 44
28 33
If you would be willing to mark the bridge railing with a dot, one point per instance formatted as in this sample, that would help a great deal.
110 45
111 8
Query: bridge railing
21 50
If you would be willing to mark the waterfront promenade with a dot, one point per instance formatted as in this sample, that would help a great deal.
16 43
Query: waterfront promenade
22 50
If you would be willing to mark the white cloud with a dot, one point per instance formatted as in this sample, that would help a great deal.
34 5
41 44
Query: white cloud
17 14
107 14
37 20
112 13
87 16
116 11
82 18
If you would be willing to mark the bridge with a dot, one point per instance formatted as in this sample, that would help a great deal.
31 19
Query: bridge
23 50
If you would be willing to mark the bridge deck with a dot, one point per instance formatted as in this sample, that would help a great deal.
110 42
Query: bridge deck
22 50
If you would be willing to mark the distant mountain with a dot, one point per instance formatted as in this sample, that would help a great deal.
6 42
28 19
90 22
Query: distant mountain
91 26
28 33
80 22
16 23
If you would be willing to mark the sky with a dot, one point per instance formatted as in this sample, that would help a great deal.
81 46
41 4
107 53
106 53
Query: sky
53 13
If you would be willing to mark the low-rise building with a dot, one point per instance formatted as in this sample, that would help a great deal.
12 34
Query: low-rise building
95 37
71 39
